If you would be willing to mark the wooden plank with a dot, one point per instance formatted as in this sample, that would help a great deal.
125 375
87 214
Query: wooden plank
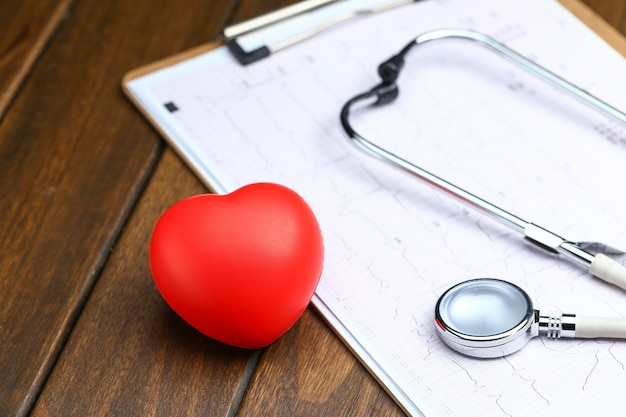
607 19
249 9
310 372
129 353
27 26
74 155
613 12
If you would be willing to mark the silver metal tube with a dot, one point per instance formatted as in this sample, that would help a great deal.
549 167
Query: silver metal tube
525 63
386 92
486 207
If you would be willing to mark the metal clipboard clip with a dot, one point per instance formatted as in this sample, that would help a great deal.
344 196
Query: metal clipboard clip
258 38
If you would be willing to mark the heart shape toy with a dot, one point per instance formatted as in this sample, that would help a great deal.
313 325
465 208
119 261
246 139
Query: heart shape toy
242 267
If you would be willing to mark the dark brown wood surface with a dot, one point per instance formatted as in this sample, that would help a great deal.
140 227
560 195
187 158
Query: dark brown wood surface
83 179
27 27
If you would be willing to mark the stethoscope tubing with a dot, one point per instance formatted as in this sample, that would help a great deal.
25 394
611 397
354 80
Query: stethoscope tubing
599 264
525 63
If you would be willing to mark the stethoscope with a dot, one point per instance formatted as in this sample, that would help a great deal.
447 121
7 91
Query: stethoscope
489 318
591 254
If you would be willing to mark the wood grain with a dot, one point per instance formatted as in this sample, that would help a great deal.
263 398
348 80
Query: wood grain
599 21
27 26
310 372
253 8
613 12
130 354
74 155
128 345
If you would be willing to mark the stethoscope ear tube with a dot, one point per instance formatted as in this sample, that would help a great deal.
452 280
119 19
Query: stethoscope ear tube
599 265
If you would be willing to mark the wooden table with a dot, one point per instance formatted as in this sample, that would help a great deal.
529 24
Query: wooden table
83 179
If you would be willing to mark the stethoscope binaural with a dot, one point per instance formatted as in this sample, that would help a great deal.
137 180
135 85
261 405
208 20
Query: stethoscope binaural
591 254
489 318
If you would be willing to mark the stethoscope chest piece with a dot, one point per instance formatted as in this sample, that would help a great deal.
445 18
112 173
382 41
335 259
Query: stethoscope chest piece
485 318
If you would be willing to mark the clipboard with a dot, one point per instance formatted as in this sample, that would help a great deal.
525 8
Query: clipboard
232 33
155 66
231 39
354 340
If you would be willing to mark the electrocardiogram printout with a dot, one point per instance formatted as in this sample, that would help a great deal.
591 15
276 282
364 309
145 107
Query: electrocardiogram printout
393 244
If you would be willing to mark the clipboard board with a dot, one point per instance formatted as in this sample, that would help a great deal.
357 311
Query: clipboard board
155 66
231 39
357 340
595 23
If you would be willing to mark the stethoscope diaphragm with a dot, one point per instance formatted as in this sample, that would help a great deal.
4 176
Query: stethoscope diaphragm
485 317
489 318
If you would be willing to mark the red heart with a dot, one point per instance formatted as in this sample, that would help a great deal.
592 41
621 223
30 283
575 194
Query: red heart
242 267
